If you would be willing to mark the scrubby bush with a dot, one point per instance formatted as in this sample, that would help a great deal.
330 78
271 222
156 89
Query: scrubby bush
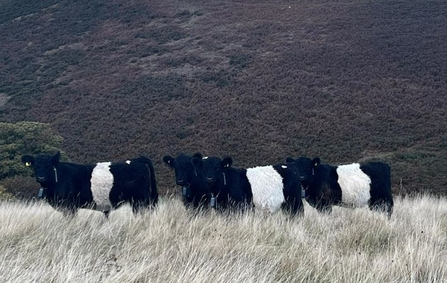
18 187
4 194
21 138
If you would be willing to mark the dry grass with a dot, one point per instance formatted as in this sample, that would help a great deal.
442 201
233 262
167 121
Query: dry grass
173 245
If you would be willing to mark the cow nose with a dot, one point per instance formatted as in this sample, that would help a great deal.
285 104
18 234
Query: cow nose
41 179
180 182
302 178
209 180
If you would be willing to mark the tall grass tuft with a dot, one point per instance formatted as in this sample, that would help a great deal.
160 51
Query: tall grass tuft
171 244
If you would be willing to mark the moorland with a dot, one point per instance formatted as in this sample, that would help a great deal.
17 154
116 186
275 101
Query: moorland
257 80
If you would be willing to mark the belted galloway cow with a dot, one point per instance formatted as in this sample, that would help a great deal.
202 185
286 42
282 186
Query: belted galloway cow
195 192
268 188
352 185
103 186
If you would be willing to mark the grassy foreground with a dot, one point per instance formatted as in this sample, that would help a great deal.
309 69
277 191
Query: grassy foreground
173 245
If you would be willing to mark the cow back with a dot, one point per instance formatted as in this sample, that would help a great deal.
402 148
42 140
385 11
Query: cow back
131 179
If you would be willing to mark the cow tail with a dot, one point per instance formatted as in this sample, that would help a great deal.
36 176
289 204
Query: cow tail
154 191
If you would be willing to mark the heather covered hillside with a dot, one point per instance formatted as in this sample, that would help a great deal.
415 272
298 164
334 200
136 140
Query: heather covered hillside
258 80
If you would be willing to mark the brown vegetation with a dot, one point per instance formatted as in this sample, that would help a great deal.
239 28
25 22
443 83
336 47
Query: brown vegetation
257 80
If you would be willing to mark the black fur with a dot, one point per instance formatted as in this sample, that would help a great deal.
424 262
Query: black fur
198 196
229 185
381 195
68 186
292 187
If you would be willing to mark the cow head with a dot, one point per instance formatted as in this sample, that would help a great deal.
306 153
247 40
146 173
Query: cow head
213 171
306 167
182 165
44 167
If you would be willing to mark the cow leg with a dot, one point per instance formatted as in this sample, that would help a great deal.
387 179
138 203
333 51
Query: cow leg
69 212
381 200
321 204
136 206
153 203
201 204
324 208
287 207
389 209
382 206
243 206
298 207
240 202
293 205
153 198
140 204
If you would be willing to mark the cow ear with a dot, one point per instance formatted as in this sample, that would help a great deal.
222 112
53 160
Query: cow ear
168 160
28 160
316 161
227 162
55 158
197 162
197 155
289 160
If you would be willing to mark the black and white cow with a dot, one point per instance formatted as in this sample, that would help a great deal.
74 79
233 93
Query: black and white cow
103 187
268 188
229 186
195 192
353 185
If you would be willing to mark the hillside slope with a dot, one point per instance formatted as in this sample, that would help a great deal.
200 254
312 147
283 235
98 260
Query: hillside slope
257 80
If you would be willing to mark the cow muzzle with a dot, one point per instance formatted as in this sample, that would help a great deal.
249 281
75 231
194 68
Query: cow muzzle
41 179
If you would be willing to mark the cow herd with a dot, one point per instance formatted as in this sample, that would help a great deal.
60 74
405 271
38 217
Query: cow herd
212 182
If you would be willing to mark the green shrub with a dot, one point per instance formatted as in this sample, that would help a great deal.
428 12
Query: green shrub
24 138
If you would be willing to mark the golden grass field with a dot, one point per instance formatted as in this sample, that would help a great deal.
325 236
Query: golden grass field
171 244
